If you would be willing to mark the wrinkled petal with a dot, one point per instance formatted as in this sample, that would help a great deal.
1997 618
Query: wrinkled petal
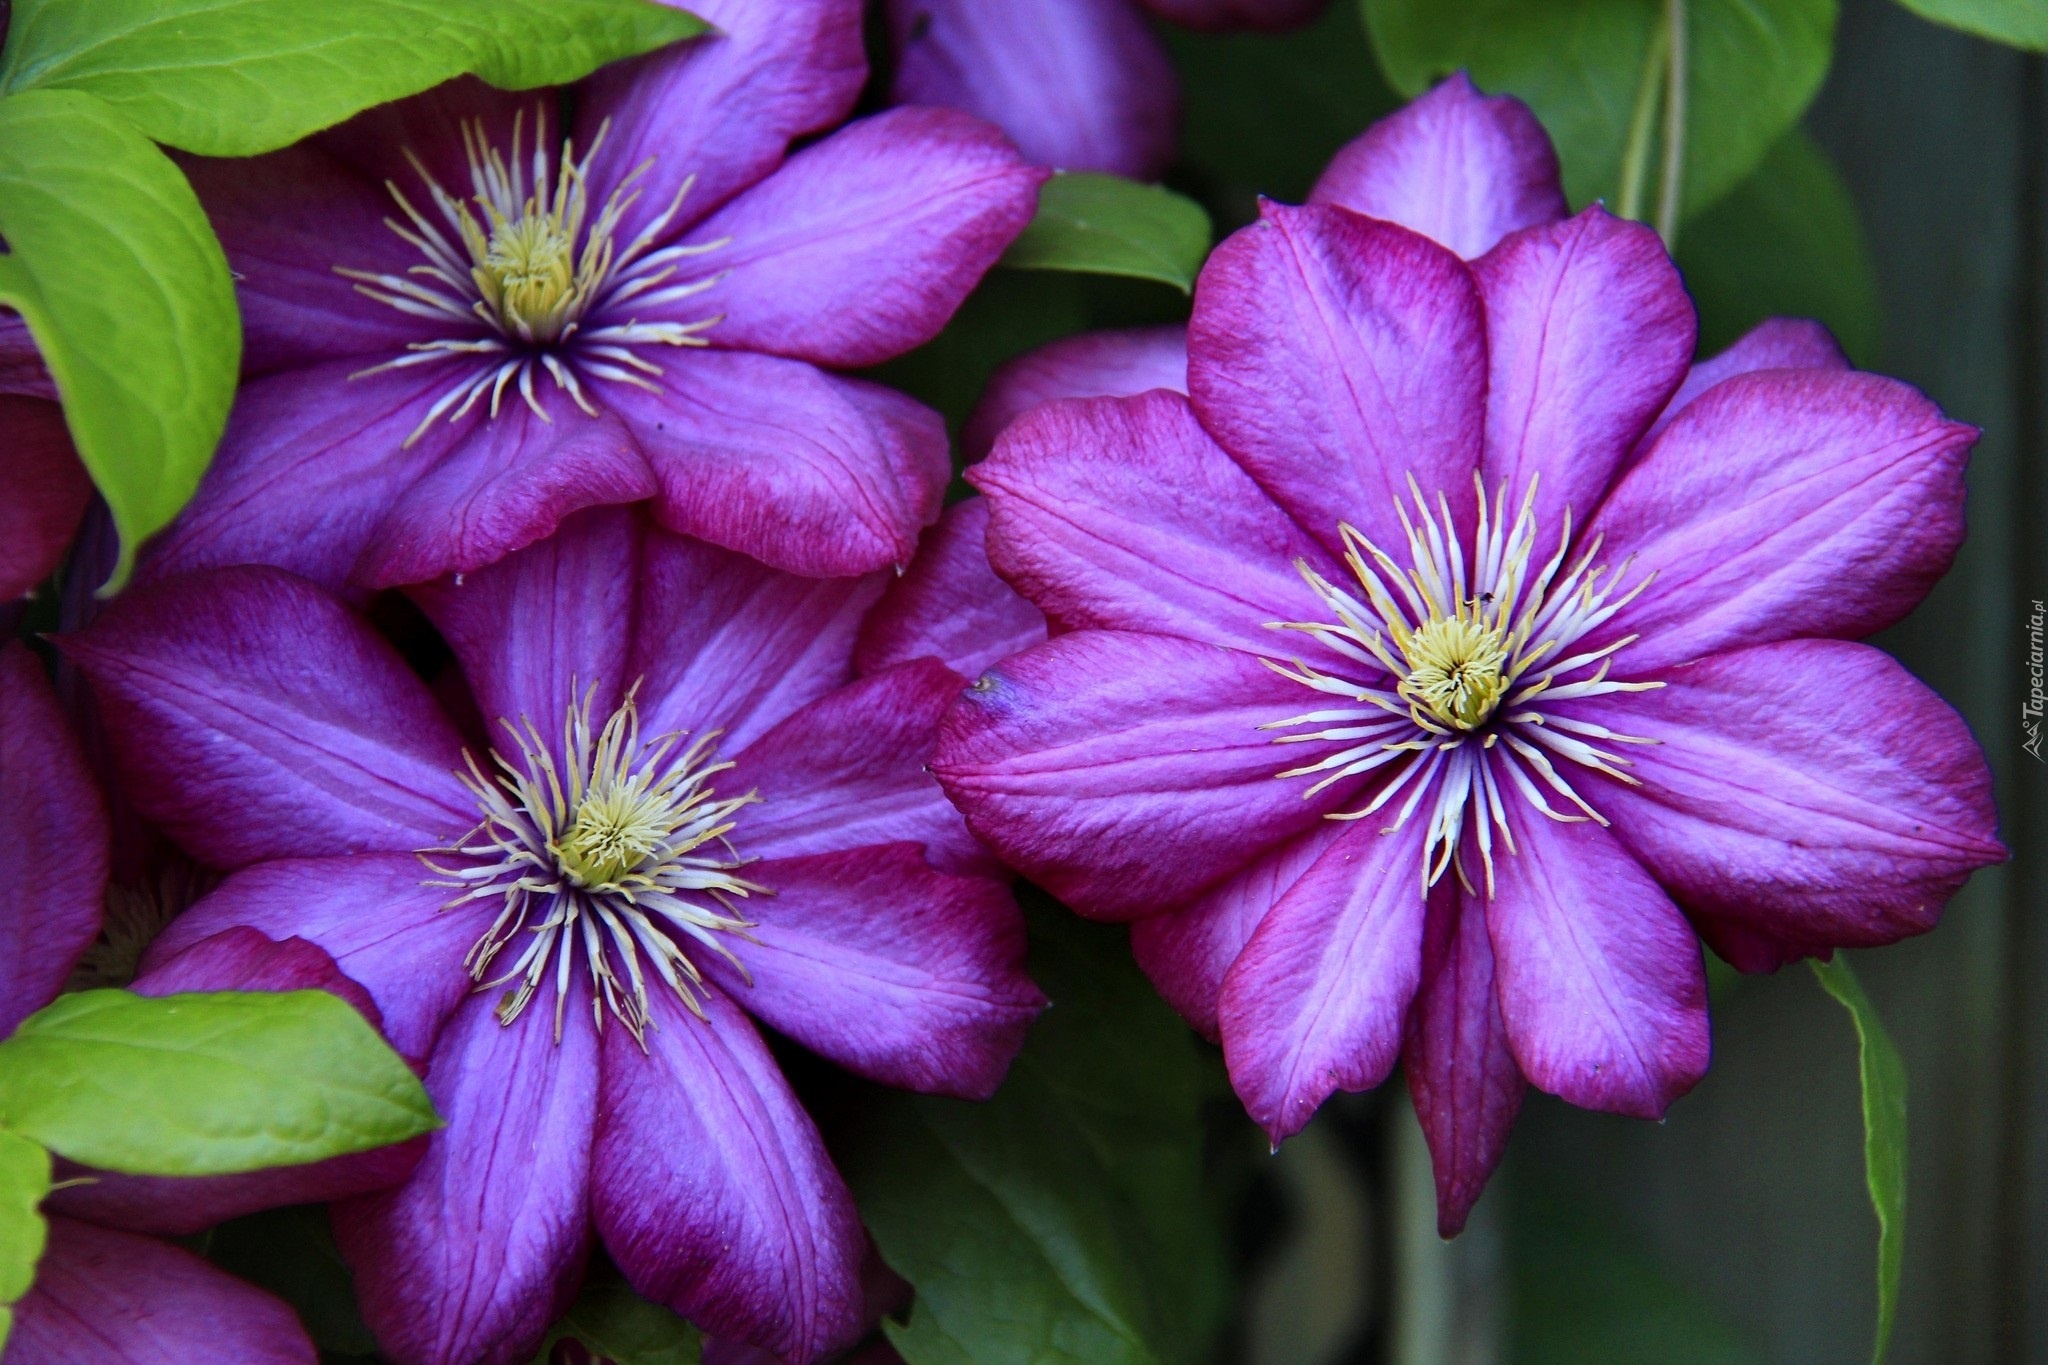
728 644
113 1298
1122 514
1124 772
1811 790
899 973
1456 166
1335 357
47 491
1115 363
1589 332
1461 1074
469 1261
1784 504
1272 16
1079 84
1601 983
1773 344
810 472
48 806
254 717
862 245
1316 1001
949 605
714 1193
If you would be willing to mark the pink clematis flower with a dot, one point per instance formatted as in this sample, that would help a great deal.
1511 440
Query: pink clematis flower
469 316
694 811
1455 654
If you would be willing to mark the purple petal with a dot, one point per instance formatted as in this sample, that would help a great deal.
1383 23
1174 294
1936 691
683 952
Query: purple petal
1461 1074
949 605
862 245
1335 357
1589 332
254 717
241 959
723 107
1123 772
47 492
113 1298
1115 363
53 841
1812 791
1784 504
848 771
725 643
1122 514
1079 84
902 974
469 1261
1316 1001
714 1193
21 364
1773 344
382 144
1272 16
1601 984
1456 166
810 472
1187 952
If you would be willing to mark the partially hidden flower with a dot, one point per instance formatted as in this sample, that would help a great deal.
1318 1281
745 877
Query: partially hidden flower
472 313
47 488
1455 654
691 810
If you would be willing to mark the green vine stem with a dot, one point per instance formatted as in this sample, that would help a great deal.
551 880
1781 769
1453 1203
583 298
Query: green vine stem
1671 190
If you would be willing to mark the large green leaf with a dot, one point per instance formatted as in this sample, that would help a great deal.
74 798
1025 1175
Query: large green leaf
2022 23
1754 67
121 280
236 77
1105 225
24 1180
618 1325
1884 1136
1066 1220
206 1084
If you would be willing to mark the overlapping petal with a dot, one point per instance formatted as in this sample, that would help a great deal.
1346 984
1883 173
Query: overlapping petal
1773 344
949 605
1115 362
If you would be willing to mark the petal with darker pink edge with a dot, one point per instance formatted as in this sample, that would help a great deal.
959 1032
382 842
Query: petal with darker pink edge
1114 363
1773 344
949 605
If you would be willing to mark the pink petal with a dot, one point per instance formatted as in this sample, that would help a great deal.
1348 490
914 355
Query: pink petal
949 605
900 973
1122 514
254 717
1080 84
725 643
1812 791
53 841
1784 504
1316 1001
241 959
1773 344
1272 16
1589 332
1461 1074
848 771
714 1194
1456 166
862 245
1335 357
47 491
1601 984
811 472
1115 363
113 1298
1125 773
469 1261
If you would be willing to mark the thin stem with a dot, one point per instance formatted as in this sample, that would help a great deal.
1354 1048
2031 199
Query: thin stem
1670 192
1635 157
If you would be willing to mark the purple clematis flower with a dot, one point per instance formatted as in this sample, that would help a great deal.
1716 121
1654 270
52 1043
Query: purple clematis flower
694 811
468 316
47 487
1456 654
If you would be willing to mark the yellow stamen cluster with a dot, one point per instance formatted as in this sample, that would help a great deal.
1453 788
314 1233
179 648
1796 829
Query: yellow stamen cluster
1456 666
526 267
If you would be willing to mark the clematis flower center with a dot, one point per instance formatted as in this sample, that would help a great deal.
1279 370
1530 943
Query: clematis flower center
1478 646
606 848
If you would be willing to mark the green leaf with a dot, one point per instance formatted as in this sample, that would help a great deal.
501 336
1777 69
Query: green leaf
237 77
618 1325
2019 23
114 267
1884 1136
24 1180
1786 243
1755 65
1105 225
1068 1219
206 1084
